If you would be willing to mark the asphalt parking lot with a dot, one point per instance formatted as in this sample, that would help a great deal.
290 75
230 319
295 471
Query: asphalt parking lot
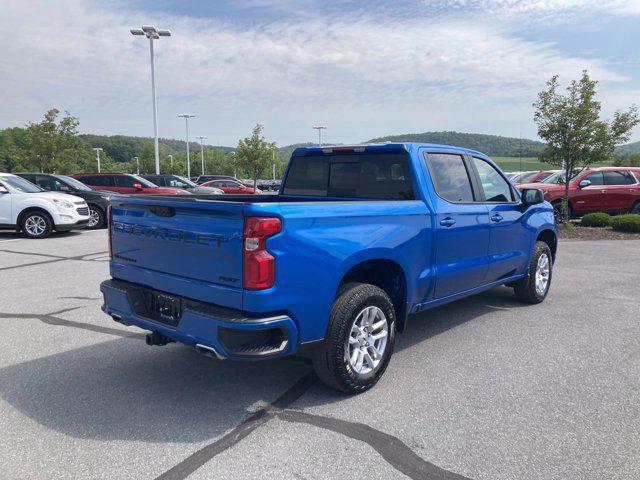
485 388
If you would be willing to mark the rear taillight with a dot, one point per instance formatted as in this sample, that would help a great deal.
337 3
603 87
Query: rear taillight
110 232
259 265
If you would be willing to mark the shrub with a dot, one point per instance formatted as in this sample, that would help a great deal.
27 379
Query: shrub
598 219
626 223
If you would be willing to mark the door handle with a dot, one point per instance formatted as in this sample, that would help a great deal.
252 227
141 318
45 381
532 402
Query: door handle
447 222
603 191
632 190
496 217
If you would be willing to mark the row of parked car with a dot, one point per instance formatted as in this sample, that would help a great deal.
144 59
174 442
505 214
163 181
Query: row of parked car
38 203
604 189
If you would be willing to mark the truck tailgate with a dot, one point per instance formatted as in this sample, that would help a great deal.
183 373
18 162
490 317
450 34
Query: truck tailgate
178 243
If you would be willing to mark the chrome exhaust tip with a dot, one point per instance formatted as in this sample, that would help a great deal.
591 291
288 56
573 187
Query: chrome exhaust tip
208 351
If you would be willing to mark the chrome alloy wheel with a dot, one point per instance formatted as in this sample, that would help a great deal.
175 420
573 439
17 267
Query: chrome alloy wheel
94 218
367 341
542 274
35 225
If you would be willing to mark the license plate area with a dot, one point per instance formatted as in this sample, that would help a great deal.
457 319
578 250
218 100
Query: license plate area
156 306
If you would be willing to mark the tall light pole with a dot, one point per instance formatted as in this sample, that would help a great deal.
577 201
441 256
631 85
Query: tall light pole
137 164
98 157
171 160
201 138
153 34
186 117
320 128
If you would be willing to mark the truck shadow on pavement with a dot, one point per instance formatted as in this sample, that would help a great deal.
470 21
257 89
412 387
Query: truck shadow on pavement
124 389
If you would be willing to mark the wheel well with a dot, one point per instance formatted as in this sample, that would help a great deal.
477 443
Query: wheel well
389 276
29 210
549 237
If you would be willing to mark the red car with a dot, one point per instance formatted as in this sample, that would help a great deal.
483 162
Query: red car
532 177
231 186
124 183
604 189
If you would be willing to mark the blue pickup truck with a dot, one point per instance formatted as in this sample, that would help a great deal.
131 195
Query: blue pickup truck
358 239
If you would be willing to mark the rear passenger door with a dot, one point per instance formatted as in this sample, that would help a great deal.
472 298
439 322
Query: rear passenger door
621 190
462 226
509 242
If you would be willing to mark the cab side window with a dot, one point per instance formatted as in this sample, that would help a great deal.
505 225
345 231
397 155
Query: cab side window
495 186
125 182
450 177
596 178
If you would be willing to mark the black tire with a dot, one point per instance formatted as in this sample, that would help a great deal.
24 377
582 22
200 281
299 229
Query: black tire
35 218
525 288
100 218
331 363
557 212
636 208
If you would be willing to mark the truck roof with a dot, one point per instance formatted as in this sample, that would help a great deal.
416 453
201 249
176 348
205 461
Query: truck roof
387 146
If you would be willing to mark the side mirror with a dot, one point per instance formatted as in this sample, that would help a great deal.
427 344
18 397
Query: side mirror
584 183
137 186
3 190
531 196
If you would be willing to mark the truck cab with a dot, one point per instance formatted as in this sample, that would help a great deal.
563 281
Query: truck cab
358 240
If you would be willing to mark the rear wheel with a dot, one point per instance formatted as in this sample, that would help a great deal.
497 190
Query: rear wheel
96 218
533 288
36 224
360 340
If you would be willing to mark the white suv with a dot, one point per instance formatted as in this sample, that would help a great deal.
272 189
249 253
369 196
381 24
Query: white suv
27 208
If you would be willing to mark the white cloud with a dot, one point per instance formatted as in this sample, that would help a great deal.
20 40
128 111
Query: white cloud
363 77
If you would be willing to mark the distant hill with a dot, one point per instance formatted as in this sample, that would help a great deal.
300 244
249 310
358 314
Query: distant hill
628 148
122 148
285 152
493 145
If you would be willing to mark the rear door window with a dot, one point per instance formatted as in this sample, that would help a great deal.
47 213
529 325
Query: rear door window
97 180
450 177
367 176
622 177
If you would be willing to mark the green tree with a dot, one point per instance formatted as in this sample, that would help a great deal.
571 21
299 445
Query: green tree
54 145
571 126
628 160
254 154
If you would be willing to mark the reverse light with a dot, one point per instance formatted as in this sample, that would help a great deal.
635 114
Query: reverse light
258 263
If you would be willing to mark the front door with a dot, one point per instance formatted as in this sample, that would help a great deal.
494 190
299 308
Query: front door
591 198
509 243
462 226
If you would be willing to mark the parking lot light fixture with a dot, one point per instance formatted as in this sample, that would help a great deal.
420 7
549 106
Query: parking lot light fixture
97 149
186 117
201 138
137 164
152 33
320 128
171 163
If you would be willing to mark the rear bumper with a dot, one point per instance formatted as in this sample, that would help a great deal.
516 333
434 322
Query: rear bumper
230 333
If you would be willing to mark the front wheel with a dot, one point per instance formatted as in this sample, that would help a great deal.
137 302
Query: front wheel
36 225
533 288
360 340
636 208
559 214
96 218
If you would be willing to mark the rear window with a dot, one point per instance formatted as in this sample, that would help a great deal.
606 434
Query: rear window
371 176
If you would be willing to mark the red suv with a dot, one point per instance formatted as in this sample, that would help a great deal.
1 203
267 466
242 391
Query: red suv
605 189
231 186
124 183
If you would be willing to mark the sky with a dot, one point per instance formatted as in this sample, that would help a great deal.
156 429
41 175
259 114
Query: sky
362 68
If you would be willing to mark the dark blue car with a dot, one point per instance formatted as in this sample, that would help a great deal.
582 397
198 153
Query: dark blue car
358 239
